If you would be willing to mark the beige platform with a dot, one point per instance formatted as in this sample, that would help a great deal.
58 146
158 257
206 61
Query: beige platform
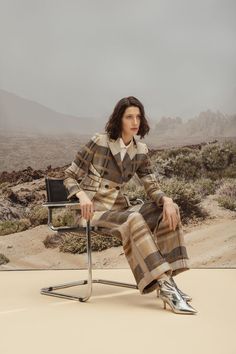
115 319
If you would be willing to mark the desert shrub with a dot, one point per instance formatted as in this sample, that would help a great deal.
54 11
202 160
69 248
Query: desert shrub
230 171
216 157
134 190
11 226
38 215
184 166
52 241
172 153
214 161
63 217
226 194
8 227
77 244
3 259
214 175
206 186
186 196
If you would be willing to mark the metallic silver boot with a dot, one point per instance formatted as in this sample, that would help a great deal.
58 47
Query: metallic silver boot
169 294
185 296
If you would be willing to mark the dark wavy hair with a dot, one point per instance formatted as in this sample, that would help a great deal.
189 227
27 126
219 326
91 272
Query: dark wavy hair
114 125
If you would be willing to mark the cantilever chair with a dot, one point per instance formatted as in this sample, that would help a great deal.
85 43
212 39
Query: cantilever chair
57 198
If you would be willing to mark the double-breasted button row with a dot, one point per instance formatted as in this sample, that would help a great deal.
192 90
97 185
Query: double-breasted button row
107 186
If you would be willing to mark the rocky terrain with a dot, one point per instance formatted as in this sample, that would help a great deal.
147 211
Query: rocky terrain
211 241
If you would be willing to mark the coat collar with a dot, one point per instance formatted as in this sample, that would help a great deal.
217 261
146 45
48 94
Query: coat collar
115 147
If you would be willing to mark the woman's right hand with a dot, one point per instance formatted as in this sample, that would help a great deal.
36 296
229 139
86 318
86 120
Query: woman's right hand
86 205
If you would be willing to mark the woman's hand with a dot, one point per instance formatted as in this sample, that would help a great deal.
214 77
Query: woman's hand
170 213
86 205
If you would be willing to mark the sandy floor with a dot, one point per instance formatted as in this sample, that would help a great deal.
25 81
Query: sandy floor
115 319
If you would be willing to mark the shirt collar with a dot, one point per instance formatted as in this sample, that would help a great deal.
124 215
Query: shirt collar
122 144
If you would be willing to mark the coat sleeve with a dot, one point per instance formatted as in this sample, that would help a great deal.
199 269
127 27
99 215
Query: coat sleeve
78 169
147 176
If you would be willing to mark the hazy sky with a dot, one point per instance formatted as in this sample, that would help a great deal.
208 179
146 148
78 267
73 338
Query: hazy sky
81 57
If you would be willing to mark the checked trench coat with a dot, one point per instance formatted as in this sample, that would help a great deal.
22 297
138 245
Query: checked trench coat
150 247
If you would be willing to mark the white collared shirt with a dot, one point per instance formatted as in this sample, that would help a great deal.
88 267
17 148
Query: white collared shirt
124 147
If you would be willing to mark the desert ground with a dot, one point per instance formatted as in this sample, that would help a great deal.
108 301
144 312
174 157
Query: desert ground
210 244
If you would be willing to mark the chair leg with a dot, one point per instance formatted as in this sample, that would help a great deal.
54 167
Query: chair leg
49 290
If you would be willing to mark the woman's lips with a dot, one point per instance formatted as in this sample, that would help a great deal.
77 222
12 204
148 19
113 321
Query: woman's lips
134 128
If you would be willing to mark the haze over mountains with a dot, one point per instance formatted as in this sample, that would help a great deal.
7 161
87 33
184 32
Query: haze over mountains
36 136
206 124
22 116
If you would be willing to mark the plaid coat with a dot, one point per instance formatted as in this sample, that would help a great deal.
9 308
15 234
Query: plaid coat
99 171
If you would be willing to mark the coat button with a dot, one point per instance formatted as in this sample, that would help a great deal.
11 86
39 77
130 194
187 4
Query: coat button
117 187
105 172
129 175
106 185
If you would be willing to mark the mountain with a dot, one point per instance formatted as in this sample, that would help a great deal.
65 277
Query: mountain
22 116
207 124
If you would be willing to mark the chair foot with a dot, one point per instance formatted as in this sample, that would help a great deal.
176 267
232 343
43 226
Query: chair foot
49 290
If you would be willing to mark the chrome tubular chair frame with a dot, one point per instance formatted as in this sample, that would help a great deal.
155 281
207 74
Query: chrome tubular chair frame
55 203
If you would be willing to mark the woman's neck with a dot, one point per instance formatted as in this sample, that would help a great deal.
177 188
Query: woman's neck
126 139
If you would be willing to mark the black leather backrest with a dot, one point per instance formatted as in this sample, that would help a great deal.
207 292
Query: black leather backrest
56 191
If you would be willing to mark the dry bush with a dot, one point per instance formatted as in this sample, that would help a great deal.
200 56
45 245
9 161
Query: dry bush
37 215
3 259
78 244
216 157
52 241
213 161
184 166
187 196
226 194
133 189
206 186
11 226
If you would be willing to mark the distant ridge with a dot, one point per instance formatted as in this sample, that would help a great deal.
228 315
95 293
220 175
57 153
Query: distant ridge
22 116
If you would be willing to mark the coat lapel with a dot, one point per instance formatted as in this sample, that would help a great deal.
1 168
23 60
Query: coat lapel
115 148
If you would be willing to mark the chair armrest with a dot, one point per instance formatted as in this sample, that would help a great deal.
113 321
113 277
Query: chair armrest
52 205
59 204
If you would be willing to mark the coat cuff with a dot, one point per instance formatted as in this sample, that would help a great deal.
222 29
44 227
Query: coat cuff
158 200
74 190
90 194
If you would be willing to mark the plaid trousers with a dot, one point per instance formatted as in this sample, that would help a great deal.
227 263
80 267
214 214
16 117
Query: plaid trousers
150 247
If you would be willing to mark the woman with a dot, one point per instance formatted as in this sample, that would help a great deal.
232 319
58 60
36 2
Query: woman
151 233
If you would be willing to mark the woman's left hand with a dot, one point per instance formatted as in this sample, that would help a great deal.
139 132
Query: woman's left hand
171 213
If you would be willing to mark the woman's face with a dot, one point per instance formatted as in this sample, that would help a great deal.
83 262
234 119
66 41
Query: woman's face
130 120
